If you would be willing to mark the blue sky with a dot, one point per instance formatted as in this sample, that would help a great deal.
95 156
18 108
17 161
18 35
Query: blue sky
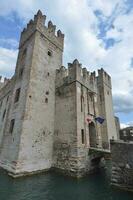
99 33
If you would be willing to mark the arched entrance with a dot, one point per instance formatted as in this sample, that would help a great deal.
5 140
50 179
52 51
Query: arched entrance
92 135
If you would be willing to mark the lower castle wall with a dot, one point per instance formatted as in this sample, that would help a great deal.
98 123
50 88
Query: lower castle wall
65 136
71 156
122 164
70 164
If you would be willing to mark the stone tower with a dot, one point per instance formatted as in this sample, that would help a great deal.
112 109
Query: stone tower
105 106
33 99
76 98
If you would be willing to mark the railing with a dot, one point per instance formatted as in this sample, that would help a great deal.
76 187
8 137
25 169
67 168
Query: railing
99 144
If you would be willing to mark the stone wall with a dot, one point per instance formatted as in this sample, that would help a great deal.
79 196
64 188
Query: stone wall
36 144
65 137
105 102
122 164
29 147
5 94
11 141
76 96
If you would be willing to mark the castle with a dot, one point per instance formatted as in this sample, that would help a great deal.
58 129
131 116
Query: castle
48 112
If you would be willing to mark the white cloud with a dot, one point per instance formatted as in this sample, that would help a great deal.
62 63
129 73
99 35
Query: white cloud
118 59
105 6
123 103
7 61
12 43
124 125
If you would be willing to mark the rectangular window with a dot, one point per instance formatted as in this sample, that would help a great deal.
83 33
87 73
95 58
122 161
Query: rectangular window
49 53
4 113
82 136
12 125
81 103
82 98
7 99
88 102
108 92
0 104
17 95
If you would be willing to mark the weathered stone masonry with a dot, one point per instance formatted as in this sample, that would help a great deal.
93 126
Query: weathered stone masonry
44 107
122 164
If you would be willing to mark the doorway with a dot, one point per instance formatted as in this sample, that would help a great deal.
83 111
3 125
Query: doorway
92 135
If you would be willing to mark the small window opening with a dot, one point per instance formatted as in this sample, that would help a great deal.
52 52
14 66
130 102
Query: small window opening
17 95
7 98
0 104
100 97
12 125
47 92
46 100
4 113
82 103
49 53
82 98
42 36
48 73
43 132
21 72
82 136
108 92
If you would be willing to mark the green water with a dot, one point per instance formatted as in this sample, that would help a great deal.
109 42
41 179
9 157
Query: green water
52 186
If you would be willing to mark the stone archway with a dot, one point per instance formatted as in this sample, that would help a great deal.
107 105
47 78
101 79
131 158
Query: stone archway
92 135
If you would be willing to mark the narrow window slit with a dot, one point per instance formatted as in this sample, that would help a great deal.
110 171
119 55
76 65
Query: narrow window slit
82 136
12 126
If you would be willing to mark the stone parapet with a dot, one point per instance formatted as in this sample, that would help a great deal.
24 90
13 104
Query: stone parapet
122 164
5 87
75 72
104 77
49 31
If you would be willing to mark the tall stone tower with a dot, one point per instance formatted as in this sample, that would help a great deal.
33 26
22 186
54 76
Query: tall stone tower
33 100
105 104
76 99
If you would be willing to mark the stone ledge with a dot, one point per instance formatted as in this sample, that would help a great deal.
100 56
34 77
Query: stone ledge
21 174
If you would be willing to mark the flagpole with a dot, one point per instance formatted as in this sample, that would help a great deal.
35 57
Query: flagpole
91 114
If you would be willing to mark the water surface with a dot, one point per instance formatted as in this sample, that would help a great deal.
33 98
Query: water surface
53 186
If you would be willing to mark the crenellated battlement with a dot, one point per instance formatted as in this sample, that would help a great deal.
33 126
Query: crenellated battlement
49 31
104 77
6 80
3 81
75 72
